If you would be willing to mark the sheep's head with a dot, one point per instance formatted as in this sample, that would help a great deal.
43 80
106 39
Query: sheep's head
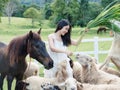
48 86
61 74
71 84
79 86
84 59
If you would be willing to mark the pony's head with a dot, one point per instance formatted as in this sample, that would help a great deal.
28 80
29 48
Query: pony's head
37 49
31 44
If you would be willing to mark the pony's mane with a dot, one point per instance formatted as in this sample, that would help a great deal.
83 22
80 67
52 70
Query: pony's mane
17 48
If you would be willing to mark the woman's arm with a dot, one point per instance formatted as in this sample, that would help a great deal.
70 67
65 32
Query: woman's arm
75 42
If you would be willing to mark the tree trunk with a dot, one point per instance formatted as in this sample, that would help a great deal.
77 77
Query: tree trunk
32 22
9 20
0 19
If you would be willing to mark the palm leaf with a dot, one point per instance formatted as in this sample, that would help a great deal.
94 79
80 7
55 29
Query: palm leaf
115 26
111 12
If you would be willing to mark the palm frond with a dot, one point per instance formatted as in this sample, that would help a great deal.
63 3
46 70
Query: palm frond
115 26
111 12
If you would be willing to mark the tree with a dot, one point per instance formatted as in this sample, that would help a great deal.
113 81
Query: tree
32 13
104 3
2 3
48 11
68 9
84 6
9 9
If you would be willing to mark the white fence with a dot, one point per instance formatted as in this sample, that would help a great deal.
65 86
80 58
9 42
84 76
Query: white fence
96 51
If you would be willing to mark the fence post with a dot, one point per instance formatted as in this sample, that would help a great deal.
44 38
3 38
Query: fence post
96 51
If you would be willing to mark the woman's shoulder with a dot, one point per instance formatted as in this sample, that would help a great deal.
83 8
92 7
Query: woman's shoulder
52 35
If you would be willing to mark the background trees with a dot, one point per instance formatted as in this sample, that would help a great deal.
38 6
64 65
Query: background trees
78 12
2 3
32 13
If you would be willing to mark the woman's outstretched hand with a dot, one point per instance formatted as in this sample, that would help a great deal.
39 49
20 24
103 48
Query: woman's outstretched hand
69 53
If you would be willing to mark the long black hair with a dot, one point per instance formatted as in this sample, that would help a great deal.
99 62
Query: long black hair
66 38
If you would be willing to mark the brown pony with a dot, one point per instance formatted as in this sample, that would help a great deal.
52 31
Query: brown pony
12 56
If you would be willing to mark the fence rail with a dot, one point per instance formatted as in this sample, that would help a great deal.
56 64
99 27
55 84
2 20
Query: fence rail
96 50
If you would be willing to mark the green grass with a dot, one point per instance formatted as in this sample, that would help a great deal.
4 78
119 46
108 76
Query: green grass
20 26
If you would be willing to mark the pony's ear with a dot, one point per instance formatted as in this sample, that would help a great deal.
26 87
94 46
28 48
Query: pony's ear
30 35
39 31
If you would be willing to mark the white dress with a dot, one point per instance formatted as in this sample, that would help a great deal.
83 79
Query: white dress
57 58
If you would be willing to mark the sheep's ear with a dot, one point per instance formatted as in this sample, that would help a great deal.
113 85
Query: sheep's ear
27 84
94 59
79 86
42 86
57 87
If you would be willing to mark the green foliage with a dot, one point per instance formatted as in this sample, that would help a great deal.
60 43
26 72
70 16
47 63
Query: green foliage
32 13
106 16
57 7
105 3
2 3
77 12
94 10
48 11
71 11
65 9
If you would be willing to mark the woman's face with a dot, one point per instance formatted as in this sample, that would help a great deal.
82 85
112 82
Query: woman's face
64 30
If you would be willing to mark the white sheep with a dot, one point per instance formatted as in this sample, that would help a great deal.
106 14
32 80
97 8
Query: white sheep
49 86
32 69
77 70
70 84
91 74
97 87
35 82
62 80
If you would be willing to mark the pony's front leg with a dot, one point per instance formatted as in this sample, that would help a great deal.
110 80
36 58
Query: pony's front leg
2 76
18 78
9 81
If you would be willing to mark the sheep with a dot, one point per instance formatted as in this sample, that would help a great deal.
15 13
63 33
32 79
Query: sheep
98 87
77 71
91 74
70 84
32 69
35 82
48 86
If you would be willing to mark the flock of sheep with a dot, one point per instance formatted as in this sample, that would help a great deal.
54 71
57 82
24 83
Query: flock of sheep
87 75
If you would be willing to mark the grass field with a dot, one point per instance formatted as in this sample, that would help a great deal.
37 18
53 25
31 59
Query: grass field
20 26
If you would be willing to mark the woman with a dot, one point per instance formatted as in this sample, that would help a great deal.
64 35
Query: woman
58 43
